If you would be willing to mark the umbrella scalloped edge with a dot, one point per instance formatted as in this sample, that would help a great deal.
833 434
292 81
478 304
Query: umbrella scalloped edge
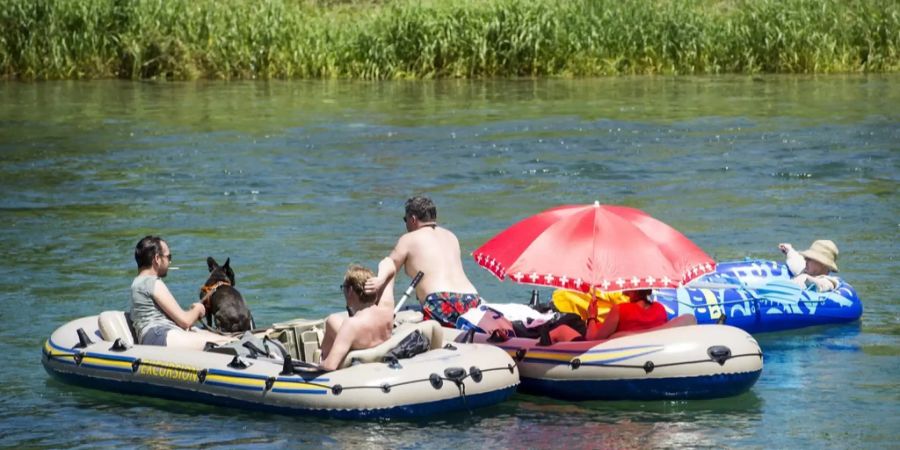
577 284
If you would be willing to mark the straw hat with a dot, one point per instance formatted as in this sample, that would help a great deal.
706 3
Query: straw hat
823 251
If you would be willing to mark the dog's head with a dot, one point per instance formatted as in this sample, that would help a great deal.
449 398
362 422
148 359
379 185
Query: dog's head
217 275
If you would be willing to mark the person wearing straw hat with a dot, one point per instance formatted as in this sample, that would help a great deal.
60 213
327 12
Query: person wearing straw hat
813 266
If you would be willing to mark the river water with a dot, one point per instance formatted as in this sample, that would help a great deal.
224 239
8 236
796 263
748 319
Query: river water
295 180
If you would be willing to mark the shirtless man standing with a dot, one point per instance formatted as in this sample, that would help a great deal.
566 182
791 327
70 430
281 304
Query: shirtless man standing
368 322
444 292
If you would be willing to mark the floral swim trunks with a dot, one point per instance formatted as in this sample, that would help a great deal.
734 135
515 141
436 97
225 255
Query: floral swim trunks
446 307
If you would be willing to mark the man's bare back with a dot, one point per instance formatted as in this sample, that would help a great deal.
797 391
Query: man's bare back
444 292
435 252
369 322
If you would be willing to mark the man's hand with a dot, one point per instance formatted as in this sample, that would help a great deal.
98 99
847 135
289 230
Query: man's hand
374 285
201 310
785 247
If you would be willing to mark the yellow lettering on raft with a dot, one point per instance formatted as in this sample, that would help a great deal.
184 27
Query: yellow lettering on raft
159 369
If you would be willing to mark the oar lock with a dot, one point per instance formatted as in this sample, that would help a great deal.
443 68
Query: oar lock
238 363
83 339
520 354
119 346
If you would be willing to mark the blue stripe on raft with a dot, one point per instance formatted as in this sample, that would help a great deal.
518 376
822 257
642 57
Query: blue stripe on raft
585 351
110 357
708 386
439 407
604 362
57 347
228 373
107 368
234 386
321 391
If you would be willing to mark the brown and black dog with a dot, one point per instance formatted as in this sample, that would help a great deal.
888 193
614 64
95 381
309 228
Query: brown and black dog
222 301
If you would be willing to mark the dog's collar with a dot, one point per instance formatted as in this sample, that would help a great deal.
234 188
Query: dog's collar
208 291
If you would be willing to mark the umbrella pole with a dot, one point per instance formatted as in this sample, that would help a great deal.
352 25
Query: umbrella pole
592 324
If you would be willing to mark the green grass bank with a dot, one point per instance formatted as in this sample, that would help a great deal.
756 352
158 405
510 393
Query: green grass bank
239 39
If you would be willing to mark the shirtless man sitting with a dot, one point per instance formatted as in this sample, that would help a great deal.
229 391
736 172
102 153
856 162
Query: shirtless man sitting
368 322
445 292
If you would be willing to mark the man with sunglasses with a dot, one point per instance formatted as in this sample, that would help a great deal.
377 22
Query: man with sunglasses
158 318
368 322
444 292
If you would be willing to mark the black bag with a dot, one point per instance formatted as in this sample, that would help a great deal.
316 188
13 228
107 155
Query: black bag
573 320
413 344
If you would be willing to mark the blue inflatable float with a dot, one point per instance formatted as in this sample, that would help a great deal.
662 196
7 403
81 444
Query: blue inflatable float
758 296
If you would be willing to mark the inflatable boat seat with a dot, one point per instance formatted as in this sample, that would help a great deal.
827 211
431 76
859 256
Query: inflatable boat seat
301 337
407 316
431 329
116 325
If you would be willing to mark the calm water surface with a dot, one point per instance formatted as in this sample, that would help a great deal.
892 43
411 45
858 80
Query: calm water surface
295 180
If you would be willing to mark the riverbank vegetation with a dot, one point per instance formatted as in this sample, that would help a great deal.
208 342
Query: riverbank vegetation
243 39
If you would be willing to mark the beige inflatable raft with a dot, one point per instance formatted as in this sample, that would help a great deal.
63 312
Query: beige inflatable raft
698 361
99 352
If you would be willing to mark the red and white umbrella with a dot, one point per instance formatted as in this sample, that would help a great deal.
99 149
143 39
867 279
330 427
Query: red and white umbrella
608 247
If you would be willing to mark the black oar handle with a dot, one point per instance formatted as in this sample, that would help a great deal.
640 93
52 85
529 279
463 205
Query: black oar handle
409 290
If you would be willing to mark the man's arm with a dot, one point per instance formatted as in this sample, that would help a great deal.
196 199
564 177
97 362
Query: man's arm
794 260
385 299
597 331
387 269
172 309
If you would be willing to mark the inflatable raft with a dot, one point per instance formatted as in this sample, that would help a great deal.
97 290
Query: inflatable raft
690 362
758 296
99 352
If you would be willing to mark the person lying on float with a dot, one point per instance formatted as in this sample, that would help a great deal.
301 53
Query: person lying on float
813 266
639 314
368 322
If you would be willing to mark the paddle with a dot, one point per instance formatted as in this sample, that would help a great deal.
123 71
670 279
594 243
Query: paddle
409 290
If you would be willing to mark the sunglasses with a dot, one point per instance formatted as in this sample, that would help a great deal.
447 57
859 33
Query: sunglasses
169 257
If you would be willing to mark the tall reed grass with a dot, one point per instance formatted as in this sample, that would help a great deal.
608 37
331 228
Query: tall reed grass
224 39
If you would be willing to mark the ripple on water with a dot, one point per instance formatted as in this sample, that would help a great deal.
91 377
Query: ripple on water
295 180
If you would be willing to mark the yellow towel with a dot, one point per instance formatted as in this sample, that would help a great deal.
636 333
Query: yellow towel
577 302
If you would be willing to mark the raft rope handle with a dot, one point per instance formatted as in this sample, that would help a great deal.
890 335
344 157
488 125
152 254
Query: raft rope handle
201 373
63 355
752 298
135 364
391 386
644 366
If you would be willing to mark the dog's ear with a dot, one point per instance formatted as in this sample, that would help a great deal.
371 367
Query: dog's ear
211 263
228 272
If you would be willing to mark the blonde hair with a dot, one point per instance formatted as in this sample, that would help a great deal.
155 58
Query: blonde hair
355 279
